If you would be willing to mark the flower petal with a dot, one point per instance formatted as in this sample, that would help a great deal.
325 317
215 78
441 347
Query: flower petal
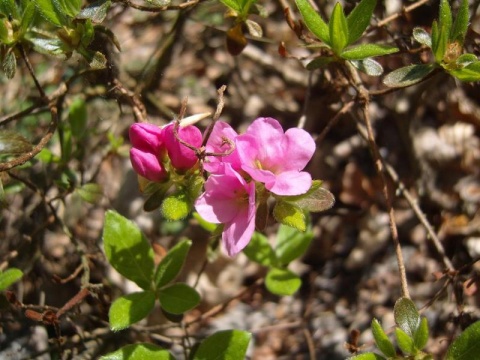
300 148
181 156
291 183
146 137
147 165
217 144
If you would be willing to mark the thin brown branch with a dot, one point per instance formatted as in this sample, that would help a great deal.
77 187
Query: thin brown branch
401 13
345 108
364 98
37 148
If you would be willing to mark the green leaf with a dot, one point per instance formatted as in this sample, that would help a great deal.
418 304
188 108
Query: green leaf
467 345
468 73
154 201
408 75
90 192
27 18
9 64
172 263
445 19
77 117
406 316
4 32
435 36
96 11
420 337
225 345
129 309
9 8
260 251
232 4
9 277
291 243
53 47
422 36
316 199
289 214
70 7
466 59
51 11
368 50
141 351
368 66
338 29
178 298
359 19
460 25
176 206
13 143
127 250
313 21
405 342
282 281
440 43
319 62
381 339
367 356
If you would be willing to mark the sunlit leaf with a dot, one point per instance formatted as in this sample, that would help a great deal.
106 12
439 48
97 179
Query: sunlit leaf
9 277
406 316
405 342
313 21
408 75
289 214
96 11
460 25
127 250
338 29
469 73
368 66
51 10
129 309
367 50
381 339
359 19
467 345
422 36
420 337
291 243
260 251
141 351
90 192
282 282
226 344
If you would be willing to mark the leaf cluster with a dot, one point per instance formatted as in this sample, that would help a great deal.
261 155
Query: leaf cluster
61 28
341 32
129 252
446 43
290 245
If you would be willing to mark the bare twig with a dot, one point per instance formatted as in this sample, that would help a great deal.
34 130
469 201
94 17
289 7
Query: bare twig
345 108
37 148
364 98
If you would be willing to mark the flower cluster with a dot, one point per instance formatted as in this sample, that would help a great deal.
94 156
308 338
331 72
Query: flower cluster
265 161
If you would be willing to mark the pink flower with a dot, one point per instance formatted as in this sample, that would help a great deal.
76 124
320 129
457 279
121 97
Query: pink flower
182 157
276 158
221 140
230 200
147 151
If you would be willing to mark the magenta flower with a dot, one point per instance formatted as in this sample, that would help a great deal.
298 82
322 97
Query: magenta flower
182 157
221 141
276 158
147 151
228 199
